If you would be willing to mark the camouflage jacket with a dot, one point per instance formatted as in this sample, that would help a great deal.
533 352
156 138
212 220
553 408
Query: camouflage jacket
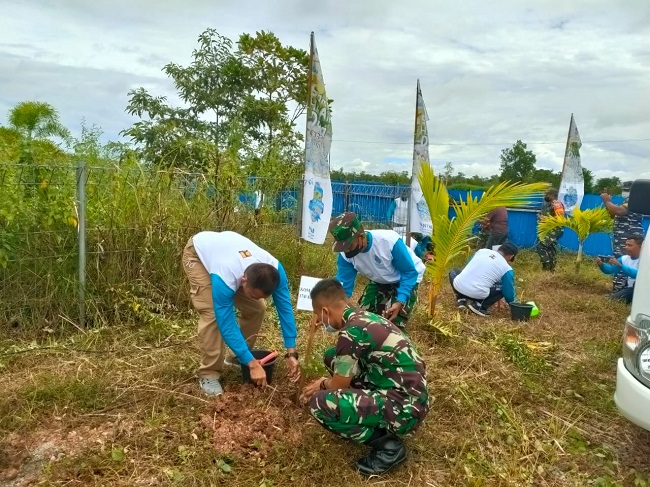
377 355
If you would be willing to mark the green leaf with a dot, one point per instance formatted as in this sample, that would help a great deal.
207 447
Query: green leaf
117 454
224 466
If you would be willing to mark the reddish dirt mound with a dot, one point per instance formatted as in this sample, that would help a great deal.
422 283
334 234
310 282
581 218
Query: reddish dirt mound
247 421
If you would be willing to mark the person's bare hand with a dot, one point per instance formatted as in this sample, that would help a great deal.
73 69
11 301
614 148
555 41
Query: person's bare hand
294 369
606 197
258 374
614 261
310 390
598 261
391 312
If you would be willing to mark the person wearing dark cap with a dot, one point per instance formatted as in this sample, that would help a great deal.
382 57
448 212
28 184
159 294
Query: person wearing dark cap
546 248
486 279
393 270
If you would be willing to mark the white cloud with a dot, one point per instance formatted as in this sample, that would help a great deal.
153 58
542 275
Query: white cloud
491 72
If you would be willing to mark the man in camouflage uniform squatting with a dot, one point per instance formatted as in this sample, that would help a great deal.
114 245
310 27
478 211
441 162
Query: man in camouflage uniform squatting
546 248
626 223
377 390
393 270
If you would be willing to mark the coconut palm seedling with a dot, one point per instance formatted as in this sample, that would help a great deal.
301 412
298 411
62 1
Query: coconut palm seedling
582 222
452 235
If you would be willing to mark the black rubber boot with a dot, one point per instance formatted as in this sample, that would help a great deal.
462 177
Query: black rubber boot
387 452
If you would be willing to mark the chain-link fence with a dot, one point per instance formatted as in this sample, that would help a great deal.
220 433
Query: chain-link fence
85 244
89 245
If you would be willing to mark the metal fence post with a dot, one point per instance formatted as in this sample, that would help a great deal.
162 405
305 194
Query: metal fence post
346 196
81 201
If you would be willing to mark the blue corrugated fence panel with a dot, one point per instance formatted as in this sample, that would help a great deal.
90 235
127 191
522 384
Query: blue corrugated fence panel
522 227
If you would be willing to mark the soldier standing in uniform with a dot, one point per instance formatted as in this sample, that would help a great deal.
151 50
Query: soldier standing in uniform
547 247
626 223
392 268
377 390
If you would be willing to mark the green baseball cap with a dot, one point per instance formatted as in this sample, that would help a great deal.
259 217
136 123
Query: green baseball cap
344 228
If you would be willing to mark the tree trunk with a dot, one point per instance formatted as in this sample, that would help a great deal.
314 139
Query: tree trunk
434 291
579 258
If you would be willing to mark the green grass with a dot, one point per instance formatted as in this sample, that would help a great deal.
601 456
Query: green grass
512 403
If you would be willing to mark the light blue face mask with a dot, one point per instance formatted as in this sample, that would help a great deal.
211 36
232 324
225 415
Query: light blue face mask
328 328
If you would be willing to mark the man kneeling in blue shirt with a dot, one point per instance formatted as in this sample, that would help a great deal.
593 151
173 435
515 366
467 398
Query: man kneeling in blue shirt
227 271
626 265
486 279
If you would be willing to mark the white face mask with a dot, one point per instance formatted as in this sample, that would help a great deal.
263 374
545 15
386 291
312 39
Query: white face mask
328 328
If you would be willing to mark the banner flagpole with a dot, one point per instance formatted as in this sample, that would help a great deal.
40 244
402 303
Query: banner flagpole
413 173
566 150
302 185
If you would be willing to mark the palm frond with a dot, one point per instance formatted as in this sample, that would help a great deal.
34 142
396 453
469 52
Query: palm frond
549 223
442 328
582 222
454 239
434 192
450 237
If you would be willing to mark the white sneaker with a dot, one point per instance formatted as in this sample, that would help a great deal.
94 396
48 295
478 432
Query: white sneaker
212 387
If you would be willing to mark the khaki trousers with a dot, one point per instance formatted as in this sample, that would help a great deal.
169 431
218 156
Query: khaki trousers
213 348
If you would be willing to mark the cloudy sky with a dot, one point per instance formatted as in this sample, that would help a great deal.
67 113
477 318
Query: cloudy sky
491 72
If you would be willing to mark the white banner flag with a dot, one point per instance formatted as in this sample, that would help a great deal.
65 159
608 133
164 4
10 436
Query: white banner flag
420 219
572 186
317 187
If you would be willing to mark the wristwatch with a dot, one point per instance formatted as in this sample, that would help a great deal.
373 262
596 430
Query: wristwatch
291 354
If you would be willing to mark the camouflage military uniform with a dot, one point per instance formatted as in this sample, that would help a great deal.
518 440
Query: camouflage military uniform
624 227
377 297
388 388
546 248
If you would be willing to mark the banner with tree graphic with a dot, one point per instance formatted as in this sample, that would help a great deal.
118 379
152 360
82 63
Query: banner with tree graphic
317 187
419 217
572 185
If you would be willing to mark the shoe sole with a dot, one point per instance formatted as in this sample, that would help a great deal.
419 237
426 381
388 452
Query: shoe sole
396 464
476 311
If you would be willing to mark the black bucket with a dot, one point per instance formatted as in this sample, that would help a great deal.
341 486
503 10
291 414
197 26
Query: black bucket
268 367
520 311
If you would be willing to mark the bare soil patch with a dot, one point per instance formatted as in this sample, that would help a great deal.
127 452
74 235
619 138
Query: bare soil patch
247 421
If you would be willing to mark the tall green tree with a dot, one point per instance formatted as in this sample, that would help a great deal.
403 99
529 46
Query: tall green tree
36 122
611 185
239 107
517 163
547 176
278 97
588 178
10 141
212 88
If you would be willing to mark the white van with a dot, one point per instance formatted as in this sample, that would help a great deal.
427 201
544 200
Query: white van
632 395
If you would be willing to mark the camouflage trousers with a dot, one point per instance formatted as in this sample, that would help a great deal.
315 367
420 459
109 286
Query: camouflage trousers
377 297
546 248
357 412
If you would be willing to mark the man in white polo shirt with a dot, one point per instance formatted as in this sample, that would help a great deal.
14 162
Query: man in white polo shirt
486 279
393 270
227 271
